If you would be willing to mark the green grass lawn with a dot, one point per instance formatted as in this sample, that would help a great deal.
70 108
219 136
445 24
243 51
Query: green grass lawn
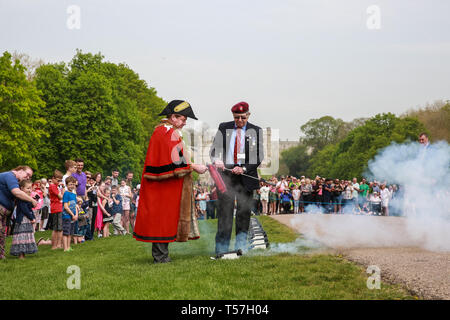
120 267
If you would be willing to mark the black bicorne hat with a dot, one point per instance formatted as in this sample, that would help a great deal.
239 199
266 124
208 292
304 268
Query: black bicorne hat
179 107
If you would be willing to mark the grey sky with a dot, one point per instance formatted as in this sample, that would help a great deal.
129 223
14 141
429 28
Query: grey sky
290 60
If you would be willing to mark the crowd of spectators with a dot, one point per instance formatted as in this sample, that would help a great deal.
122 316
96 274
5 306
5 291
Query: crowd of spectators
304 195
77 206
205 201
324 195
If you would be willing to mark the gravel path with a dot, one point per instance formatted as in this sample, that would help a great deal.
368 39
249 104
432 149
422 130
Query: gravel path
380 241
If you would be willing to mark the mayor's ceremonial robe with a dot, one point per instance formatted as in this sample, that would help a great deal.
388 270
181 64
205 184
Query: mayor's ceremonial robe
166 201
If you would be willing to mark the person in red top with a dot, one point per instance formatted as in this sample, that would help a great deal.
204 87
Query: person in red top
56 209
165 210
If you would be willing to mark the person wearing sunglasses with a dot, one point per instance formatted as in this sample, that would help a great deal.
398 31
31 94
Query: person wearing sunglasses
423 139
237 149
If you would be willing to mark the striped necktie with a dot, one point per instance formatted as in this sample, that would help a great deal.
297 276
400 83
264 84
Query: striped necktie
237 144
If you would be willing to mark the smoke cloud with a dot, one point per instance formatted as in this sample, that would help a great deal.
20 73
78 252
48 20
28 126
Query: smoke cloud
423 175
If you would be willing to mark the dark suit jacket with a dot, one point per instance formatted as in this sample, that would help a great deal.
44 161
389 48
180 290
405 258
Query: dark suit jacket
254 151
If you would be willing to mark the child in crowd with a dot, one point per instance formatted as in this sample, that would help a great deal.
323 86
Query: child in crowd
45 205
23 234
37 195
116 211
71 167
80 223
83 218
69 215
296 196
105 206
56 208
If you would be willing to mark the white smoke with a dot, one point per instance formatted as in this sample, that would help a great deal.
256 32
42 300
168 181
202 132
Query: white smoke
298 246
423 175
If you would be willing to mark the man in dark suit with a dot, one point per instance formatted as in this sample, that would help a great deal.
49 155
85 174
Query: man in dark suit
237 149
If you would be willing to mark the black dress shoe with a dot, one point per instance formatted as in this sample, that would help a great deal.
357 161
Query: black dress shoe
165 260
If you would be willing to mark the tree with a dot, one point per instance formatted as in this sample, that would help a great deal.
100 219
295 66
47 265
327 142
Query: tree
321 163
349 158
296 159
21 126
29 63
321 132
97 110
436 118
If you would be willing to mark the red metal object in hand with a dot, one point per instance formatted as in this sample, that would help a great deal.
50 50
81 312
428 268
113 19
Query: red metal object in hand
217 178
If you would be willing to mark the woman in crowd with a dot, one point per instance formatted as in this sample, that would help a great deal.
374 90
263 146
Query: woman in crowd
385 196
347 196
125 193
202 197
37 194
319 194
93 199
306 191
336 191
296 194
105 205
273 195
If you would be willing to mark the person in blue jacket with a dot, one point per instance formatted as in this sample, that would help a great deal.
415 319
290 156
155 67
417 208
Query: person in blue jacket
286 198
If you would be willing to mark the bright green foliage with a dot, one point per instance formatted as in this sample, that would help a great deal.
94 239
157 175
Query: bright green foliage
21 124
319 135
99 111
321 163
296 159
322 132
349 157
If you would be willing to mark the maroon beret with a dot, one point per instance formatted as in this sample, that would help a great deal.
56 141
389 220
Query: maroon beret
241 107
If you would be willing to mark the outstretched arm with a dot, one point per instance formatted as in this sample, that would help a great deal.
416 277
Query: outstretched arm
23 196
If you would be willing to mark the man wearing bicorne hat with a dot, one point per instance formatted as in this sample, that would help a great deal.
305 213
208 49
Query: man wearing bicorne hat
165 212
237 146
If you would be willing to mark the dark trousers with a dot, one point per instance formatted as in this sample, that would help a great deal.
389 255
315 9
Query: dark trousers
89 235
160 252
327 204
225 215
94 216
211 209
286 207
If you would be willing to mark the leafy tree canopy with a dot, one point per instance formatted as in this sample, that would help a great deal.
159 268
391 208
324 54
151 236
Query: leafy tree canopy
99 111
88 108
349 158
21 123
